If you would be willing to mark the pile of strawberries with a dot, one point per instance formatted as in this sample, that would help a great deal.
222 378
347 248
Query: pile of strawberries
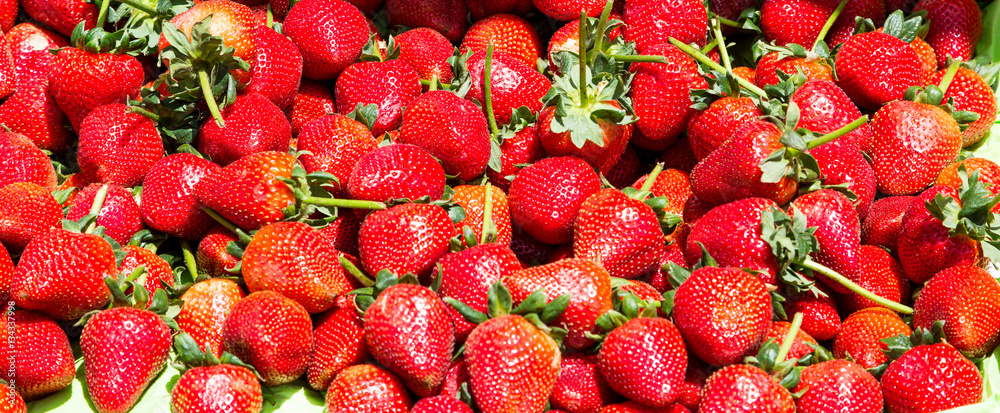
586 206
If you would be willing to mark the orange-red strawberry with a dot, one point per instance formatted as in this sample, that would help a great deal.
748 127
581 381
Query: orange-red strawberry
645 361
207 304
926 245
970 93
325 53
271 333
932 377
22 161
390 84
838 386
955 28
652 22
119 213
885 221
168 201
62 15
41 357
339 343
312 101
78 89
842 163
472 198
297 261
661 96
509 34
13 404
769 65
335 143
405 238
819 313
862 332
883 277
711 127
252 124
428 52
622 233
448 17
580 387
744 388
451 129
249 192
719 329
26 211
989 173
396 171
964 297
365 388
468 274
824 108
912 143
731 233
838 232
275 68
545 197
117 146
204 388
523 148
512 84
875 68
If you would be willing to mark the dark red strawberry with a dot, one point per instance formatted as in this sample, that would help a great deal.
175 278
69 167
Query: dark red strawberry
512 84
249 192
390 84
335 143
26 211
405 238
428 52
955 28
326 53
661 96
168 202
644 360
652 22
451 129
312 101
838 385
396 171
276 67
272 333
448 17
339 343
679 155
885 221
545 197
252 124
628 168
580 387
22 161
731 233
711 127
39 352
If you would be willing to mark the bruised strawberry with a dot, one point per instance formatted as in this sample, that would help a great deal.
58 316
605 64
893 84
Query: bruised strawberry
22 161
405 238
325 53
396 171
339 343
26 211
451 129
168 200
545 197
249 192
252 124
390 84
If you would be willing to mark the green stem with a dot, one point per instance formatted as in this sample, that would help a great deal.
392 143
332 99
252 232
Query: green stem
102 15
270 17
948 77
701 57
206 90
136 273
651 179
150 115
786 343
343 203
829 23
602 25
141 7
95 208
582 38
189 260
850 285
433 84
708 47
488 90
717 31
639 58
243 237
724 20
844 130
489 227
356 272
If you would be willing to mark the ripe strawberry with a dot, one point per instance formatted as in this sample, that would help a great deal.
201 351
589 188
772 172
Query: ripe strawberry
390 84
472 198
124 349
588 284
824 108
467 276
6 274
970 93
62 15
440 404
875 68
212 258
343 231
565 10
862 332
428 52
205 388
744 388
78 90
819 313
679 155
276 67
22 161
926 245
567 39
297 261
168 201
448 17
232 21
660 96
326 53
633 407
644 360
613 138
927 58
838 385
955 28
26 211
31 110
838 233
451 129
117 146
651 22
207 304
580 387
312 101
711 127
842 163
885 221
119 213
365 388
339 343
769 65
405 238
509 34
249 192
913 142
513 84
14 403
964 297
779 330
931 378
620 232
41 357
628 168
335 144
157 270
253 124
883 277
800 21
731 233
545 197
719 329
523 148
989 175
272 333
396 171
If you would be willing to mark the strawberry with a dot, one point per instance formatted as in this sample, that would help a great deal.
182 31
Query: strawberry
800 343
8 77
875 68
335 144
565 10
31 110
644 359
26 212
326 53
824 108
409 331
567 39
343 231
396 171
955 28
709 128
365 388
297 261
157 270
838 232
458 376
276 67
802 21
447 17
207 304
963 297
468 274
428 52
719 329
523 148
883 277
602 151
62 15
843 164
405 238
440 404
508 34
207 382
861 332
926 245
545 197
272 333
22 161
252 124
838 385
451 129
14 403
816 70
231 21
679 155
40 353
908 158
339 343
390 84
927 58
627 169
119 213
744 388
117 146
619 231
168 200
884 222
513 84
932 377
660 96
819 313
587 283
212 258
233 191
650 22
970 93
472 198
6 274
633 407
731 233
480 9
580 387
312 101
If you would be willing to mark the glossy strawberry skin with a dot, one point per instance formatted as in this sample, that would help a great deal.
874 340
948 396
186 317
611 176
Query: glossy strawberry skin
621 233
405 238
119 214
708 295
62 15
912 143
708 129
467 276
838 385
650 22
207 304
117 146
545 197
580 387
730 233
271 333
861 332
6 273
22 161
168 201
842 163
312 101
26 211
875 68
157 270
565 10
508 33
326 53
883 277
614 139
769 65
513 84
926 245
202 389
391 85
31 110
931 378
249 192
660 97
451 129
448 17
838 232
964 297
472 198
276 70
970 92
339 342
253 124
523 148
365 388
74 86
955 28
335 144
440 404
211 256
427 51
644 360
824 108
744 388
41 354
297 261
820 318
396 171
883 225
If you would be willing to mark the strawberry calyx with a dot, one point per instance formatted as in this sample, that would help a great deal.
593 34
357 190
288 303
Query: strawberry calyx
772 357
934 95
190 355
384 279
905 28
534 308
378 50
899 344
793 161
521 118
668 221
971 214
717 71
625 306
96 40
143 20
467 238
366 114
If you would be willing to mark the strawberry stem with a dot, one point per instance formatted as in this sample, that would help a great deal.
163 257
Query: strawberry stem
717 32
948 77
789 339
701 57
136 273
850 285
434 84
206 90
355 272
652 178
488 90
724 20
708 47
150 115
102 15
95 208
189 261
844 130
141 7
243 237
829 23
602 25
343 203
639 58
489 227
582 38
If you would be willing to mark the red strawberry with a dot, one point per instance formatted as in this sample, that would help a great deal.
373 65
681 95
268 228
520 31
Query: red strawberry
633 407
883 277
39 352
343 231
14 403
660 96
8 78
523 148
512 84
203 389
565 10
885 221
731 233
62 15
626 170
405 238
78 89
819 313
644 360
842 163
249 192
955 27
620 232
168 201
31 110
22 161
365 388
861 332
26 211
117 146
711 127
719 329
913 142
339 343
157 270
545 197
613 137
769 65
231 21
428 52
396 171
451 129
6 273
838 233
119 213
335 144
276 67
744 388
312 101
779 330
801 21
252 124
390 85
448 17
509 34
207 304
652 22
272 333
440 404
838 385
926 245
931 378
824 108
567 39
580 387
212 258
468 274
472 198
326 53
964 297
875 68
971 93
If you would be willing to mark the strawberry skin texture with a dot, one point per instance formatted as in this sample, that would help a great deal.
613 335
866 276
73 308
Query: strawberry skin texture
769 65
861 332
820 318
312 101
82 81
512 365
22 161
339 343
124 349
119 215
794 21
207 304
970 92
14 404
614 139
744 388
633 407
212 258
428 52
440 404
448 17
965 297
409 331
931 378
925 244
883 277
838 386
44 362
824 108
391 85
842 163
451 129
276 70
731 234
157 270
644 360
405 238
508 33
117 146
467 276
710 128
206 389
365 388
724 313
580 387
565 10
61 15
660 97
621 233
472 198
838 233
396 171
513 84
335 143
253 124
545 197
800 348
875 68
325 53
523 148
652 22
913 143
6 274
249 192
272 333
168 201
955 28
885 221
297 261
